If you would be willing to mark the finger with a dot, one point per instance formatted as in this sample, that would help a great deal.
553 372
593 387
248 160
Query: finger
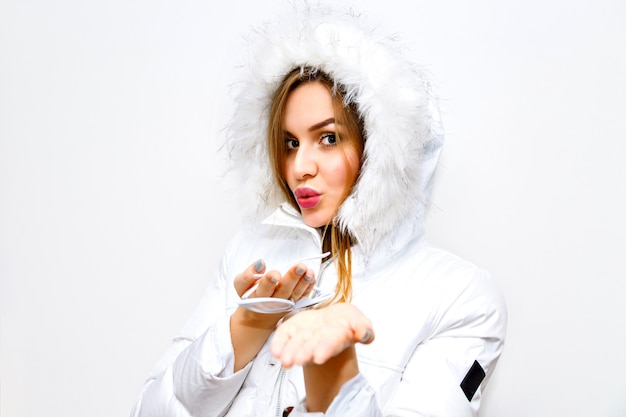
331 345
305 353
304 286
279 340
289 281
364 332
267 285
367 337
246 279
298 349
362 328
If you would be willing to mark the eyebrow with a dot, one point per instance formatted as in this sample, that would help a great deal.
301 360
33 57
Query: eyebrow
321 124
316 126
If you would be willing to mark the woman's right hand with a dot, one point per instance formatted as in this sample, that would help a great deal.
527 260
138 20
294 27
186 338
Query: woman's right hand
297 282
248 329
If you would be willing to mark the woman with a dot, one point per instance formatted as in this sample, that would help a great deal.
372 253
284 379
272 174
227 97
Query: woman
351 144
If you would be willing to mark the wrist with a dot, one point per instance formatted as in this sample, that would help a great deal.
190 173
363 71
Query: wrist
248 332
260 321
323 382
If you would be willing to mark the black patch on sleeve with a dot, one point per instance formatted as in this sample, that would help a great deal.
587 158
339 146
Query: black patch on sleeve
472 380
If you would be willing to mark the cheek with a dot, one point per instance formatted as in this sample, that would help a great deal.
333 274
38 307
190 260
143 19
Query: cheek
342 174
352 164
286 173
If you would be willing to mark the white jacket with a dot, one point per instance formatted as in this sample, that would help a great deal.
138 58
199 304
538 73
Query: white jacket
439 320
434 314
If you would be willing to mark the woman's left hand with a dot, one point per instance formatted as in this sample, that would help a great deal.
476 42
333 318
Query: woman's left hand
314 336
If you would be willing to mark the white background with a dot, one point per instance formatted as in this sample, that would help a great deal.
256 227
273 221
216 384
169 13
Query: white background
113 214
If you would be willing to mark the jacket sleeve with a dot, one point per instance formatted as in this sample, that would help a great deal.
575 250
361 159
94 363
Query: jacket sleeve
195 376
355 398
447 372
450 368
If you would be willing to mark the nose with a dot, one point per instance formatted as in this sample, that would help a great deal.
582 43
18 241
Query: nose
305 162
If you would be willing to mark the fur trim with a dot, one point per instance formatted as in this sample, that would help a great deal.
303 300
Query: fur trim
403 135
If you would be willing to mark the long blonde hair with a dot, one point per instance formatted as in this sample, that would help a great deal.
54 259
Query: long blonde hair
336 241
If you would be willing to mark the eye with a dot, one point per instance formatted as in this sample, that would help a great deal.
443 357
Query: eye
329 139
291 143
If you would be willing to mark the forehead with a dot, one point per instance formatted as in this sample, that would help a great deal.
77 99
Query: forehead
306 105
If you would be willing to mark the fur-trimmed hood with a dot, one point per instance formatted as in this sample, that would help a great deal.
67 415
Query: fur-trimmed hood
403 135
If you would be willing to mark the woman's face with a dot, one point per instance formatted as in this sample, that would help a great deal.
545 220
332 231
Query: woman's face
318 171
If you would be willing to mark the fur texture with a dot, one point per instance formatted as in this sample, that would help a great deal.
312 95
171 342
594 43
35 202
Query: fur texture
403 135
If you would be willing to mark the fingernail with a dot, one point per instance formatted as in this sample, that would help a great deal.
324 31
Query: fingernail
273 279
308 278
300 270
366 337
258 265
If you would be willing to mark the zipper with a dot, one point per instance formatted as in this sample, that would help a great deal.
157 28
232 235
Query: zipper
323 267
283 372
281 383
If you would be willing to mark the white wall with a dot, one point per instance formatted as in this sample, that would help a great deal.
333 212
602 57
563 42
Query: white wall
110 212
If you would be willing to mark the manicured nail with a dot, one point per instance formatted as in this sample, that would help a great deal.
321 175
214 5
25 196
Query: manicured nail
308 278
258 265
273 279
300 270
366 337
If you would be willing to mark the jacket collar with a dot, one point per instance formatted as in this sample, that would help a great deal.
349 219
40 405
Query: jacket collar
406 236
285 215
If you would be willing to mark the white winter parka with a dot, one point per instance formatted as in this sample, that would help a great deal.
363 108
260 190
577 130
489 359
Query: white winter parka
439 320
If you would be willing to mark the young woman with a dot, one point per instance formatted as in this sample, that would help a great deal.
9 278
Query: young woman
339 135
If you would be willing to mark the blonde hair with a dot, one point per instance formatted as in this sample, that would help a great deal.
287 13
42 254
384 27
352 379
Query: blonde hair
335 240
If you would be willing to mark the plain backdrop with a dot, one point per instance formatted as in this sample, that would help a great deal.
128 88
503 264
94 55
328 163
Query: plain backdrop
113 210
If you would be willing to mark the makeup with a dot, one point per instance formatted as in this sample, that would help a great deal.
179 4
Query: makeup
270 305
306 197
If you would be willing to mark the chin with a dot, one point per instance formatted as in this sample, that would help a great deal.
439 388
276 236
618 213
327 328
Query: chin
315 221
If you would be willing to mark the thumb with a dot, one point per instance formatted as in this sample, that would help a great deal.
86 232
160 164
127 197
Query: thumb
362 328
364 335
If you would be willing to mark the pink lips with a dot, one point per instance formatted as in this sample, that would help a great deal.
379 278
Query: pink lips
306 197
